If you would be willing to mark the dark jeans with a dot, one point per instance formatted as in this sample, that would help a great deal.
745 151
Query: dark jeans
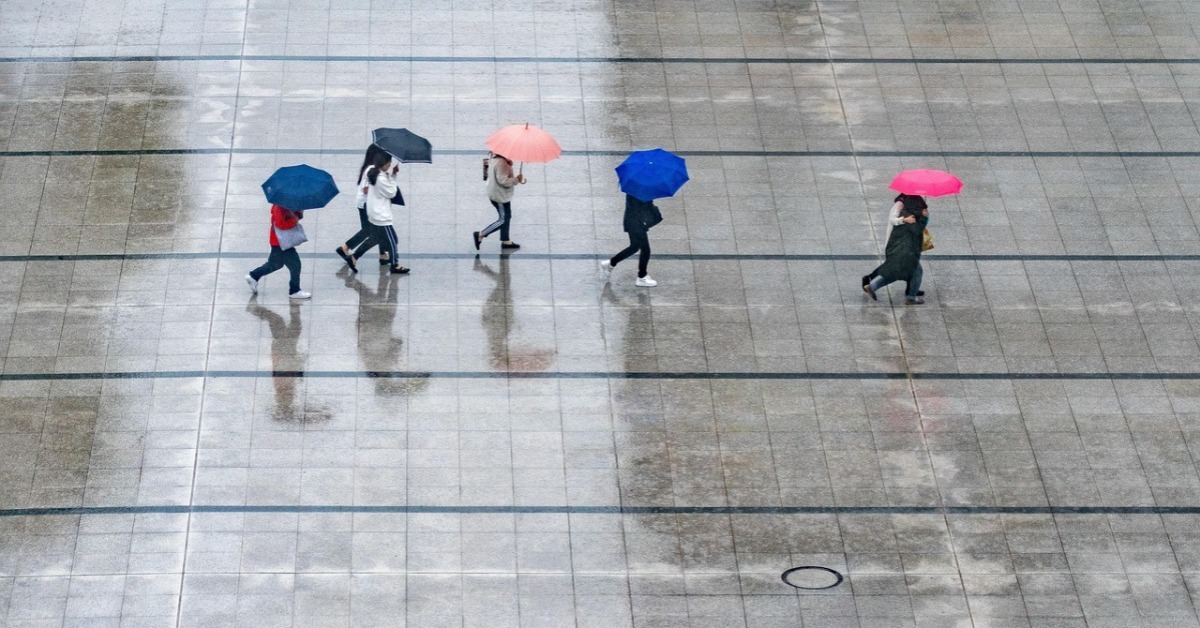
638 241
503 218
278 259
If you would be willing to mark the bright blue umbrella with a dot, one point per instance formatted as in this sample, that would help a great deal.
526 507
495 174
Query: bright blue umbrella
651 174
300 187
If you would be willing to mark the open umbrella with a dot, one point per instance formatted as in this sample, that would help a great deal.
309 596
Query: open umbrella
926 183
524 142
300 187
404 145
651 174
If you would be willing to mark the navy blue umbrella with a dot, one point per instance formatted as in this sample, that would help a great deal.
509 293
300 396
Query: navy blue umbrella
300 187
651 174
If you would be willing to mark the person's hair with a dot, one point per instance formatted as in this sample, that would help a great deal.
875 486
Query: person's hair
912 202
381 160
368 160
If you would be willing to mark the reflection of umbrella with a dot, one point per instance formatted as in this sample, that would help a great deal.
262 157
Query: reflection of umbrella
926 183
651 174
523 142
300 187
404 145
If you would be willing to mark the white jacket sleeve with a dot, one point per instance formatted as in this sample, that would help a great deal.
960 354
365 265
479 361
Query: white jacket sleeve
504 173
385 185
894 217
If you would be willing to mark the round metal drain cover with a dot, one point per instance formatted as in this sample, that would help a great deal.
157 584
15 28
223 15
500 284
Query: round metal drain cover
812 577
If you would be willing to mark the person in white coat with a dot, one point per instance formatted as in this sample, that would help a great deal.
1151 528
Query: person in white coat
382 193
501 182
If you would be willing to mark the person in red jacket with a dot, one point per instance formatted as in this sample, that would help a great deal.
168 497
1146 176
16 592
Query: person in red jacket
282 219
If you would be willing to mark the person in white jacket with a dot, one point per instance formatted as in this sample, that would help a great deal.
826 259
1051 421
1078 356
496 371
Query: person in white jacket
381 192
501 182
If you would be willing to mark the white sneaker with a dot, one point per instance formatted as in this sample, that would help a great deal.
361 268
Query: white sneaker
605 267
300 295
646 282
253 283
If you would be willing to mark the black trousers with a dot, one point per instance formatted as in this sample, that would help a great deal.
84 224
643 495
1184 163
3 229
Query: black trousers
362 240
503 219
278 259
638 241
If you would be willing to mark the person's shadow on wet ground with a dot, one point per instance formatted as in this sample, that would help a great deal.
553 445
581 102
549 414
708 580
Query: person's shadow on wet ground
287 361
498 321
380 349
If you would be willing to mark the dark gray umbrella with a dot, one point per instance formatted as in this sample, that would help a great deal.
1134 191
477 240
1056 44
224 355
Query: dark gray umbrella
404 145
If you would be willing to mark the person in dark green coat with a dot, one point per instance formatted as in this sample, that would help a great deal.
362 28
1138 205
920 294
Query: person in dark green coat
902 257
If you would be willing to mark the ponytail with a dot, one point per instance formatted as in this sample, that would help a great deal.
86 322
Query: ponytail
381 160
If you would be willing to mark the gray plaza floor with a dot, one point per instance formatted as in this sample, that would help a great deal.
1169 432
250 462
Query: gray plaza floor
508 440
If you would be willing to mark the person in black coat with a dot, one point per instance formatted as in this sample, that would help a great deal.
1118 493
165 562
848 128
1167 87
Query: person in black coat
902 205
902 257
639 217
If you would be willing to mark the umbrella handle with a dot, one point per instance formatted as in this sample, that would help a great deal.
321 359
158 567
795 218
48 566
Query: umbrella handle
521 169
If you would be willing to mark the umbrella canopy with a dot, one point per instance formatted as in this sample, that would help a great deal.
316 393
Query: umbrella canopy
404 145
524 142
651 174
926 183
300 187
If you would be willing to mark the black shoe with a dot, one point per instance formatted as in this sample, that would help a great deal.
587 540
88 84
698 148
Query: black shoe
400 270
385 262
920 293
477 239
867 289
512 246
347 258
866 280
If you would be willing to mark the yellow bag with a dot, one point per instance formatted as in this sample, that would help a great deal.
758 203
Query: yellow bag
926 241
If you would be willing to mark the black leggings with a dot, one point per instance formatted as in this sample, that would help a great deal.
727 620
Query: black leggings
385 237
638 241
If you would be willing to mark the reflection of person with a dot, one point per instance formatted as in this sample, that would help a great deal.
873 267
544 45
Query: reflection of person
902 257
501 183
496 320
285 356
914 204
283 219
640 216
378 346
365 230
498 323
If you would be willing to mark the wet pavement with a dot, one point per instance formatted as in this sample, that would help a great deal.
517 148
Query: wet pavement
508 440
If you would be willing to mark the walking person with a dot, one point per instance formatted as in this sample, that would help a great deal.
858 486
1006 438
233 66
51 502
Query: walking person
382 193
911 202
285 221
640 216
501 183
364 233
902 257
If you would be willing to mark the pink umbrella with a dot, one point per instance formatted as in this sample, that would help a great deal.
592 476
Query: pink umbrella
524 142
926 183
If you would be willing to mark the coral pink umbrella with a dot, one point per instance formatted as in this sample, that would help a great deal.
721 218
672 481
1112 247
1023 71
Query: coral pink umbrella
926 183
524 142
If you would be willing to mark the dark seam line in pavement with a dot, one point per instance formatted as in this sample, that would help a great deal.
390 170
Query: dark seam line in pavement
127 152
533 59
752 257
606 510
681 375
